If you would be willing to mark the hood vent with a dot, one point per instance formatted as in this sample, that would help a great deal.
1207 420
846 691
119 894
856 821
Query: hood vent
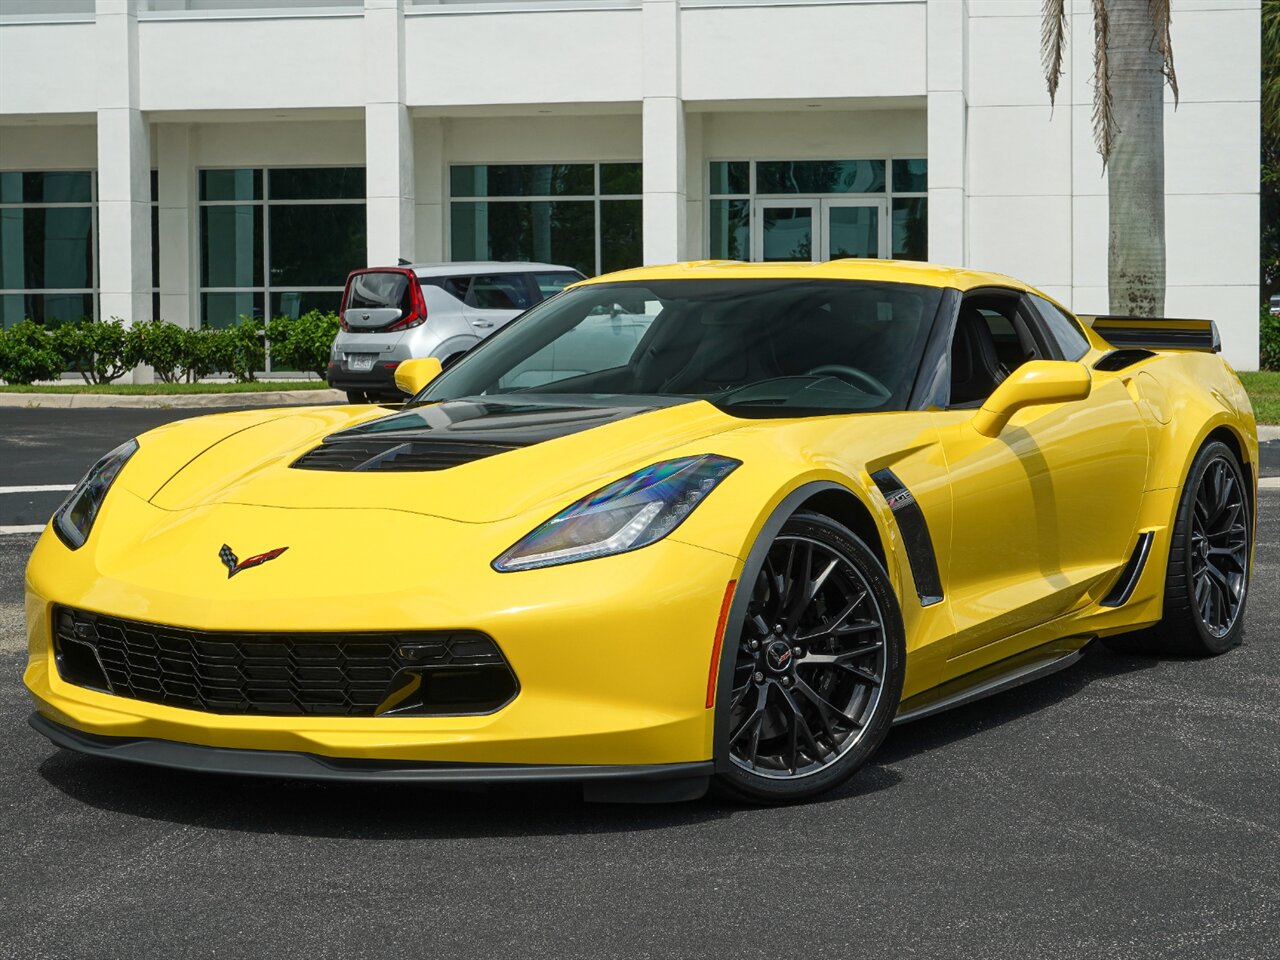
356 456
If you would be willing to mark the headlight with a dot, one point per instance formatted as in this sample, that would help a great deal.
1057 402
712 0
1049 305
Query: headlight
628 514
74 519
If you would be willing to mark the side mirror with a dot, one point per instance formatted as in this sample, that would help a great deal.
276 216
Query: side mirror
413 375
1032 384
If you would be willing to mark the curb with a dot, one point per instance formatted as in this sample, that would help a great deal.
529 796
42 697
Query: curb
1267 434
265 398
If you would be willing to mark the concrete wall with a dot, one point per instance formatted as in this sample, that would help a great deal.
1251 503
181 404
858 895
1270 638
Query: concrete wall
410 87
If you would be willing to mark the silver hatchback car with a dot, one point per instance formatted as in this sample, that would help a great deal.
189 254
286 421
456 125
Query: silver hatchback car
440 310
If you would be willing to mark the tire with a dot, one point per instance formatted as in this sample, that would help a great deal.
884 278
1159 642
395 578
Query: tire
357 396
818 672
1206 590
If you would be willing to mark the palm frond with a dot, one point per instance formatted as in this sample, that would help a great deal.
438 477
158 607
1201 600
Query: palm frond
1053 40
1271 66
1161 15
1104 115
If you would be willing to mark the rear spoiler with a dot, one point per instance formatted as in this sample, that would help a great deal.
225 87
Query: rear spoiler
1157 333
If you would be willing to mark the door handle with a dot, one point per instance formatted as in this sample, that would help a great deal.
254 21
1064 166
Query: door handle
484 323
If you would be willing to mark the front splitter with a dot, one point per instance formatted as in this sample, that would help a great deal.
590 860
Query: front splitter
621 783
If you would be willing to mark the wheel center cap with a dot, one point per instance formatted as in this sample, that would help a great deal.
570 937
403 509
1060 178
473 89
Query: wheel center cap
778 656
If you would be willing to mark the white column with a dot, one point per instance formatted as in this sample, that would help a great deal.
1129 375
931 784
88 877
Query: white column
176 196
947 105
665 194
388 136
695 168
429 193
124 168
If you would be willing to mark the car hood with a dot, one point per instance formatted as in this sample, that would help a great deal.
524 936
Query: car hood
472 461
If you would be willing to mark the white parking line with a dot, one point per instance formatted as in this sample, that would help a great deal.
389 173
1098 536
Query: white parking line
1269 483
26 528
39 488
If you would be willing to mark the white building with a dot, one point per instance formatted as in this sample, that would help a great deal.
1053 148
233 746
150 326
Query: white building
199 159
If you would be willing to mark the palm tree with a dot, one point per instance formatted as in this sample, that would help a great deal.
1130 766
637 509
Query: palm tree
1132 61
1270 279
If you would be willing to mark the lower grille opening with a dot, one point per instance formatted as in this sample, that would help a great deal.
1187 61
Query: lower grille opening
419 673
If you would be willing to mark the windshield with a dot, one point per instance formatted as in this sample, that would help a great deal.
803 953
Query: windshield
753 347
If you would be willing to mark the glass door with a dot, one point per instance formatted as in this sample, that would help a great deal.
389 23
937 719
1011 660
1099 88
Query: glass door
854 228
818 229
786 230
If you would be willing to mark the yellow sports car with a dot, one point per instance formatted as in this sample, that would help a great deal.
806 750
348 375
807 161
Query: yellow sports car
704 521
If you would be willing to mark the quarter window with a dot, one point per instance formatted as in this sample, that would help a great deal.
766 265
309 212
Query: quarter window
1064 330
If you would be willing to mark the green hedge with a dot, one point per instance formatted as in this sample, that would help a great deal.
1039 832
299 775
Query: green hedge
104 350
1268 341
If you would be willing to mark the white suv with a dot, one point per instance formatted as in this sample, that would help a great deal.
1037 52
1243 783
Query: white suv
440 310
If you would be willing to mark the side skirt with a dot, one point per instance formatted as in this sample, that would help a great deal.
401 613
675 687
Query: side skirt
995 678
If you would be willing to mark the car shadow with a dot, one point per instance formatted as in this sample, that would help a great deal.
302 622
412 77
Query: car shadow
991 713
412 811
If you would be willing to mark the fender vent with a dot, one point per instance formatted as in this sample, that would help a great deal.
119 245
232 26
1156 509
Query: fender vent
352 456
915 536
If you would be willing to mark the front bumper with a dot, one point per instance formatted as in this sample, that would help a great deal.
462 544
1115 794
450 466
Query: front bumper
612 654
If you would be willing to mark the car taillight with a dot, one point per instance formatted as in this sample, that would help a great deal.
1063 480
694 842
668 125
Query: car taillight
417 314
346 297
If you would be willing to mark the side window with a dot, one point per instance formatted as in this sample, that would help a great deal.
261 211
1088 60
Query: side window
1064 330
549 284
456 287
988 345
1007 342
500 291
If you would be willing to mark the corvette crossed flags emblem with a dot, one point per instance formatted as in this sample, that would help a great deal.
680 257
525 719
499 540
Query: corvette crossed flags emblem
234 565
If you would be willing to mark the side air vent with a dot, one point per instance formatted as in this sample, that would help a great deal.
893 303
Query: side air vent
1119 359
915 536
1131 573
348 456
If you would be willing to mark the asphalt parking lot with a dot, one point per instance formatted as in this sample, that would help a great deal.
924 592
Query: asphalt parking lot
1127 807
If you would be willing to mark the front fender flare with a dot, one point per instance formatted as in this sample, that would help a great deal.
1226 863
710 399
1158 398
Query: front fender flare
751 567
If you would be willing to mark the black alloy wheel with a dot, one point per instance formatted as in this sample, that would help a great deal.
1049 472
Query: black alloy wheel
819 665
1210 553
1218 558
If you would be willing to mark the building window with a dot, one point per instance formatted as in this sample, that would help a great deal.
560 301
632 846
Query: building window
582 215
279 241
818 209
48 255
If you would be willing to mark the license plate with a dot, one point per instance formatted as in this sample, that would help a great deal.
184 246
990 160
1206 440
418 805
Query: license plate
359 361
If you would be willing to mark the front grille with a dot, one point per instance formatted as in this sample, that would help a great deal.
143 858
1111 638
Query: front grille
284 674
397 455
